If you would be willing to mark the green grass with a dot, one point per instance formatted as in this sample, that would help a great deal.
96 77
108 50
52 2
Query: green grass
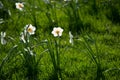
95 54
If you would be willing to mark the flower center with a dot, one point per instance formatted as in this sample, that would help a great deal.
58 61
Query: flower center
57 32
29 30
20 5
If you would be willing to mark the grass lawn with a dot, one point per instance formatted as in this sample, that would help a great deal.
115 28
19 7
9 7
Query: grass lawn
59 40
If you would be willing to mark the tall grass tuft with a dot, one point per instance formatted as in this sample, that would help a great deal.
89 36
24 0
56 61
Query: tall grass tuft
54 51
72 10
94 55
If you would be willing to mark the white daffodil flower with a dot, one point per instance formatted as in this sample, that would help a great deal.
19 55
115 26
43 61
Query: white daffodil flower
19 6
3 35
71 37
57 31
30 29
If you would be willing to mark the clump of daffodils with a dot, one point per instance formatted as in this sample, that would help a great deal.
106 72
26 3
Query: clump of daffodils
57 31
3 35
28 30
19 6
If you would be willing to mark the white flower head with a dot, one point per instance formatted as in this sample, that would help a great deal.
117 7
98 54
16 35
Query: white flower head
19 6
3 35
57 31
30 29
71 37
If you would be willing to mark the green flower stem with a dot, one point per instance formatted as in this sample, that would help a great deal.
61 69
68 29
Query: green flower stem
91 53
58 56
52 55
54 51
96 60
